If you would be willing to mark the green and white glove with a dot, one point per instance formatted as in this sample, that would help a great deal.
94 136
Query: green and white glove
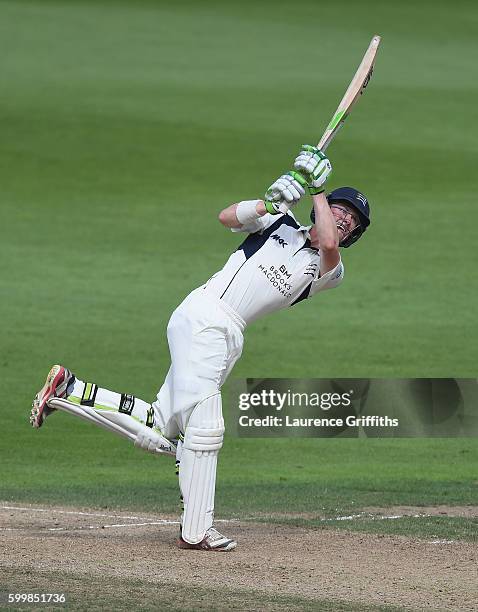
284 193
314 166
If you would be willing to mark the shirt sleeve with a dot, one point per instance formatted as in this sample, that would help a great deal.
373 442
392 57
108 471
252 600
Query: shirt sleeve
331 279
258 225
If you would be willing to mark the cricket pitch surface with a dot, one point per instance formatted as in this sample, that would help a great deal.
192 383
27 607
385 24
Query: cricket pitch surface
110 559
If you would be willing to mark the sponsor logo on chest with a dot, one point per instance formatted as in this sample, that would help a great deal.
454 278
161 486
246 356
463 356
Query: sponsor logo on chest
279 240
278 277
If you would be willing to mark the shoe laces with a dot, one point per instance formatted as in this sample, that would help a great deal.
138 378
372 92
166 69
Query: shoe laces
213 534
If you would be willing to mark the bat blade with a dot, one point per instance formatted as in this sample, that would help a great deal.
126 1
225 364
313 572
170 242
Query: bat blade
351 96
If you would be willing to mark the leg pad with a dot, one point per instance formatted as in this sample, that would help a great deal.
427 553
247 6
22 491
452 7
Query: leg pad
121 424
197 473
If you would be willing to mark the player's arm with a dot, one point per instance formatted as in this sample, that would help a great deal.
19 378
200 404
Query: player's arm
249 209
314 166
282 195
327 240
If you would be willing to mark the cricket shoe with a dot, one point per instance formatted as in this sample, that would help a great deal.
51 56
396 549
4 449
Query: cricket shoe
56 385
213 540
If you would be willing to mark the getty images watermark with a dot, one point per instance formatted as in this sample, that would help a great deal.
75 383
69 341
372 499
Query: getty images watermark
290 399
355 407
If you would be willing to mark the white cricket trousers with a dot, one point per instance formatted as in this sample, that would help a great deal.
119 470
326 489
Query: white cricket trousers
205 341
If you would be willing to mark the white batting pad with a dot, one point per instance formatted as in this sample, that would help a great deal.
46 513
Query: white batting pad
197 472
118 423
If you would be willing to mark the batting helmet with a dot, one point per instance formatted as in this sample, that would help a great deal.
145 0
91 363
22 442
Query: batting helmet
355 199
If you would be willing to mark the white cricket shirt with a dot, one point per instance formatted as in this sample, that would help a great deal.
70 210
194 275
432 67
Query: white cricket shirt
275 267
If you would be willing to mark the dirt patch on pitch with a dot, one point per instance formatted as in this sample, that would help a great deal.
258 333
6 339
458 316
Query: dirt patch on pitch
272 560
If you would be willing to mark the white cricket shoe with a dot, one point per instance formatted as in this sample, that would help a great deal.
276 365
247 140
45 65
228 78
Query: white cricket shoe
56 385
213 540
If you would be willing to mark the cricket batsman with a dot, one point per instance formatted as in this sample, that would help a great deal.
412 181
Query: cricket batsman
279 263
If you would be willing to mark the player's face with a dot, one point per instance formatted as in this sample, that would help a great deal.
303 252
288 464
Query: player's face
345 218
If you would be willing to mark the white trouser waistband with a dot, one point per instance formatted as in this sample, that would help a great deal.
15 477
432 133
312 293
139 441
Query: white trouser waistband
226 308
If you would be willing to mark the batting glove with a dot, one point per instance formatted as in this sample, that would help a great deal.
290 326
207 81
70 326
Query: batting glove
284 193
314 166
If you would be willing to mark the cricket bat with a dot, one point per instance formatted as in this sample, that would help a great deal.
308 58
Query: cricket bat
354 91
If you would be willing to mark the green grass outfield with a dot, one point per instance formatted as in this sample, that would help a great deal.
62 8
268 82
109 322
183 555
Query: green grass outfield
71 462
127 126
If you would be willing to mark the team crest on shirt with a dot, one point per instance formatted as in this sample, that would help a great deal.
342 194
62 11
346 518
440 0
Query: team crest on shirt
311 269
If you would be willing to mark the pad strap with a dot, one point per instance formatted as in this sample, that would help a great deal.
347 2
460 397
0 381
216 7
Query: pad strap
202 439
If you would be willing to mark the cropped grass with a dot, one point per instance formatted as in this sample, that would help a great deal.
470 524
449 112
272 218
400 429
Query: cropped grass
126 127
433 529
72 463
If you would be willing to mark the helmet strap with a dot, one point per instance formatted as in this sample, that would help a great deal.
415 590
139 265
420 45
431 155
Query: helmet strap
351 237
